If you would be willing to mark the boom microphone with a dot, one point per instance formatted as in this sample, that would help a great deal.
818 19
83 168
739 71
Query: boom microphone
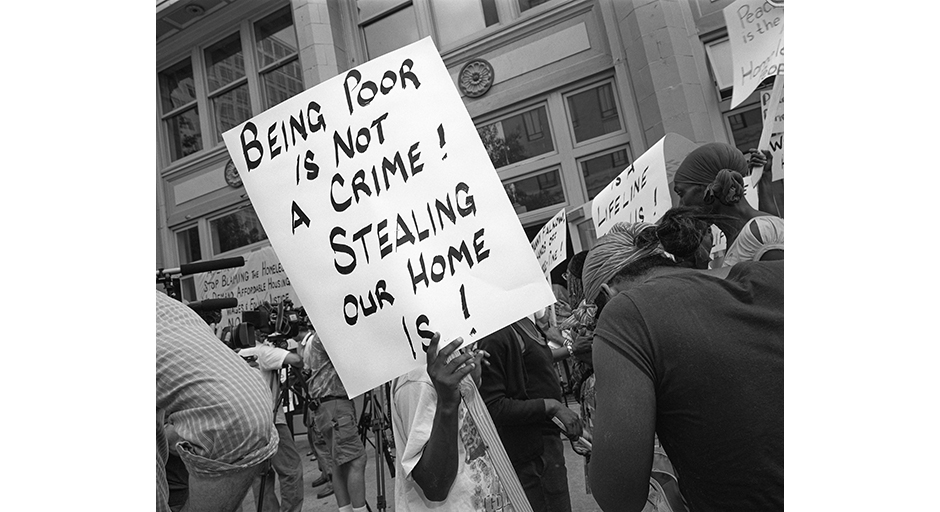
204 266
213 304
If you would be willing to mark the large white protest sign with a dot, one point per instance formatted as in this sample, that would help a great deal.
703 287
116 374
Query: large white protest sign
549 244
641 193
755 30
387 215
261 279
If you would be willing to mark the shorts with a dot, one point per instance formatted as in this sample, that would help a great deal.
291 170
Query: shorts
336 421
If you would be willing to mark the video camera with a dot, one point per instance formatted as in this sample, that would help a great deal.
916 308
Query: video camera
277 323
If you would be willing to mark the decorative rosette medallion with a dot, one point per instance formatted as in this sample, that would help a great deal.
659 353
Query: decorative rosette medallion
476 78
231 175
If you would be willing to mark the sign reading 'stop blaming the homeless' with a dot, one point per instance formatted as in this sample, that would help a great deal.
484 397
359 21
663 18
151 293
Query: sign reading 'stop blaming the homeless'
550 243
388 217
755 31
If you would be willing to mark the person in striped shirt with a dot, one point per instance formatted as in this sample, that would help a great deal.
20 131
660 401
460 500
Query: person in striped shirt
218 407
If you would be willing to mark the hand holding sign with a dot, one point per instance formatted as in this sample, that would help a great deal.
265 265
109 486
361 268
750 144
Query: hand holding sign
446 375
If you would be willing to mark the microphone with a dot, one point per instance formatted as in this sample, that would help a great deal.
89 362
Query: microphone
204 266
213 304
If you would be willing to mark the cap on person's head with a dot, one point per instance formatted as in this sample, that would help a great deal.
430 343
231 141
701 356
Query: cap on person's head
702 165
621 246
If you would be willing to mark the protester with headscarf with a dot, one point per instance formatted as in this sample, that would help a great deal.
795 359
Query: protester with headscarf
712 177
693 358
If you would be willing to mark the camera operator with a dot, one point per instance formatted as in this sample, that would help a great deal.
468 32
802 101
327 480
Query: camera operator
218 411
269 359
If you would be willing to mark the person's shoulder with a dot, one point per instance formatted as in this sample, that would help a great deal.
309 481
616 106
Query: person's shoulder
681 278
749 270
250 351
762 222
413 380
499 336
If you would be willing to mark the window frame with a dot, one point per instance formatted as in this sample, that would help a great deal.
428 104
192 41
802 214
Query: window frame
179 230
238 250
597 84
234 84
210 132
510 170
260 71
609 150
530 216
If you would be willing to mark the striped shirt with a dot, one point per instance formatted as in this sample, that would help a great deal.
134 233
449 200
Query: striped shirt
218 404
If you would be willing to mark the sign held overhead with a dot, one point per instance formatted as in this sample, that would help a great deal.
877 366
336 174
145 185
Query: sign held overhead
387 215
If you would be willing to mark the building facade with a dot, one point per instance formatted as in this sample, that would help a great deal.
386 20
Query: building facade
564 94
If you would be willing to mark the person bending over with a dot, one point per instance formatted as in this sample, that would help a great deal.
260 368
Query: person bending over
694 358
220 412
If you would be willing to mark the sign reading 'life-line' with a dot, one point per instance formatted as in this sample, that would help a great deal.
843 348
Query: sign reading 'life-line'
387 215
641 193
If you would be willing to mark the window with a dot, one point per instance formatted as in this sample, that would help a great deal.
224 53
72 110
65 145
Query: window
230 78
181 116
276 45
593 113
535 192
237 229
745 127
587 234
187 243
457 20
228 84
599 171
517 137
389 31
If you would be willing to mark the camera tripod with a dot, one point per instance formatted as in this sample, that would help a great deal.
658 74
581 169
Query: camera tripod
376 405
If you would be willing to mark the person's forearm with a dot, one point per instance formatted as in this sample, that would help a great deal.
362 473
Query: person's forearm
437 468
559 354
509 411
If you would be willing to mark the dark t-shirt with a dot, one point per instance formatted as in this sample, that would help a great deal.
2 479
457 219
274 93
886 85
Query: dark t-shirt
713 349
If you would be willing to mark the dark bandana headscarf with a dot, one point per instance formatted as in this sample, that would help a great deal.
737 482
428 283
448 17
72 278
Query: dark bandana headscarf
719 167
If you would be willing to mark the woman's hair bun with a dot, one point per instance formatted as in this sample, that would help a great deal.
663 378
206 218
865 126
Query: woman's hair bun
680 231
727 188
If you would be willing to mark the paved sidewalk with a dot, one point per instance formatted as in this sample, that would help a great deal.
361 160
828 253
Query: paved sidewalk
580 501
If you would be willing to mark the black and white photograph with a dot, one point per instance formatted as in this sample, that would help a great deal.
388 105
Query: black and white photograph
571 214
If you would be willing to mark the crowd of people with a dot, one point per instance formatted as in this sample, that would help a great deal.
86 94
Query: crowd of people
676 358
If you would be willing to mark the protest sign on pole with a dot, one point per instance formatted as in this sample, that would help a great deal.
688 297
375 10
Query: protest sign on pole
641 193
755 31
387 215
777 125
550 244
771 135
261 279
